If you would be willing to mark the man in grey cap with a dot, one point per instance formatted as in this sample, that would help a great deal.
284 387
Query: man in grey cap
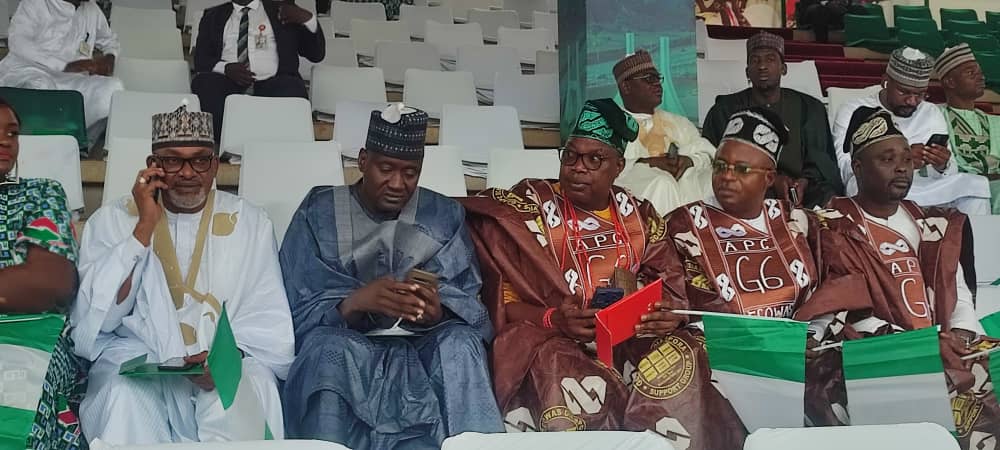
937 180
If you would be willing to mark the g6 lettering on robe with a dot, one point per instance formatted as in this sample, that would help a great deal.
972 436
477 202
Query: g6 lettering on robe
762 283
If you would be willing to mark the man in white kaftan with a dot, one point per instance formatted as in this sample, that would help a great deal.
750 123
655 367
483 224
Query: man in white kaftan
670 163
153 281
52 45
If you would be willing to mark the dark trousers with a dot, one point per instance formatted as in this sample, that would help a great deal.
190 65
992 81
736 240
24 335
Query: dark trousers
213 88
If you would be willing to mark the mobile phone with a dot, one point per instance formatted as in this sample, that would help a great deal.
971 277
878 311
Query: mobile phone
175 364
793 195
938 139
673 151
422 277
606 296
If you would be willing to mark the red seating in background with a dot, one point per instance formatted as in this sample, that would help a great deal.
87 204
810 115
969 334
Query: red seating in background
724 32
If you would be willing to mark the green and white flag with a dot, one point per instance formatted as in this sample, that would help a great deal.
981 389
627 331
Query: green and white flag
759 361
245 418
26 345
898 378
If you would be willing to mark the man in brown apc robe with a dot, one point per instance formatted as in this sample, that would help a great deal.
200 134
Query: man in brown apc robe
545 247
910 256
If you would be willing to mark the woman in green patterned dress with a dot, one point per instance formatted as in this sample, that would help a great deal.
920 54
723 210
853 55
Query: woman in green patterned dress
37 275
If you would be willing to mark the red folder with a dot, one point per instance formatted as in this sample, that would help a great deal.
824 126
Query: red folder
616 323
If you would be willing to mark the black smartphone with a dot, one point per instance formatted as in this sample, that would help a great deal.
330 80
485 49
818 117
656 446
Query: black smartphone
938 139
673 151
793 195
176 364
606 296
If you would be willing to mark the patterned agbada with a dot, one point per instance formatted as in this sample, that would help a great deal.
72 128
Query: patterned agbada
536 248
975 144
34 212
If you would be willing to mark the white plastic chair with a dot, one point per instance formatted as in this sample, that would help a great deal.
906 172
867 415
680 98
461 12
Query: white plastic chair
546 62
700 36
172 76
448 37
726 49
838 96
340 52
394 58
141 4
125 161
582 440
803 77
548 21
329 28
492 19
430 90
132 113
527 42
442 171
343 12
460 8
55 157
477 129
351 127
331 85
485 61
718 78
366 32
907 436
526 8
299 167
987 247
250 119
193 11
416 17
509 166
147 33
536 97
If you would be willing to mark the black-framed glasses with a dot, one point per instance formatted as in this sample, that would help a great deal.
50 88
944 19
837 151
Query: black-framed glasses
739 169
592 161
174 164
650 78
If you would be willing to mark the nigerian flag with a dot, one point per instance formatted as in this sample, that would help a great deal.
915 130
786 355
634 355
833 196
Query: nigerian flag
26 343
245 415
759 361
898 378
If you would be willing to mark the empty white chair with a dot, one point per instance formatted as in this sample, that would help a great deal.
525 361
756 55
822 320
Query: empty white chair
141 4
172 76
193 11
54 157
299 165
250 119
700 35
351 127
343 12
525 8
485 61
460 8
546 61
548 21
442 171
726 49
477 129
718 78
366 32
536 97
527 42
331 85
430 90
839 96
124 163
132 113
416 17
908 436
448 37
329 29
509 166
340 52
147 33
395 57
987 247
492 19
803 77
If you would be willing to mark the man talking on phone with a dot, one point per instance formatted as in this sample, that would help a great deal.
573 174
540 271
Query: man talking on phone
156 268
937 181
383 287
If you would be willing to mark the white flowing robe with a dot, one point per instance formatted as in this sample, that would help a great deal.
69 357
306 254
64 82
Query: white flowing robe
239 268
45 36
658 186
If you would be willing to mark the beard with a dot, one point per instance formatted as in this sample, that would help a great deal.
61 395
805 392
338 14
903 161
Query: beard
188 201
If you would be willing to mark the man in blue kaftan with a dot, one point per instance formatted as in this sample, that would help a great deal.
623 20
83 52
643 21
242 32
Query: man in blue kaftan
385 361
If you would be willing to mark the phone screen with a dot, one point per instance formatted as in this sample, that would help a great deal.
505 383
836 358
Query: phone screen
938 139
177 363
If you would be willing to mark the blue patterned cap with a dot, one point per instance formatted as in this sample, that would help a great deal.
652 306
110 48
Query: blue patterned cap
398 132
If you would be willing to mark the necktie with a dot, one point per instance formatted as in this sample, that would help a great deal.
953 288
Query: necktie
241 44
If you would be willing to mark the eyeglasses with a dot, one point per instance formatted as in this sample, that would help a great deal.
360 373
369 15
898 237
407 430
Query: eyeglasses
650 78
592 161
174 164
720 167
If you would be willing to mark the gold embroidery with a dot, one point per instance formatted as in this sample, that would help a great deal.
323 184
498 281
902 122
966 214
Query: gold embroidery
667 370
560 418
966 409
514 201
656 229
223 224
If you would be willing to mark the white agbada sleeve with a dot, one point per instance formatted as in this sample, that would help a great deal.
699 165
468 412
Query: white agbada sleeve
691 144
27 27
964 315
106 40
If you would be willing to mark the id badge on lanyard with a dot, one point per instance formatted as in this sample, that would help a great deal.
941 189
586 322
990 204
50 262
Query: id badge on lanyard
261 39
85 46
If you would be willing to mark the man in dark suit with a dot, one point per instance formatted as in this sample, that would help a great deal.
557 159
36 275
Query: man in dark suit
253 44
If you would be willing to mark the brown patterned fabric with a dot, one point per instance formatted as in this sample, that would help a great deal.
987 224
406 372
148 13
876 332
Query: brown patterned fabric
766 40
632 65
181 128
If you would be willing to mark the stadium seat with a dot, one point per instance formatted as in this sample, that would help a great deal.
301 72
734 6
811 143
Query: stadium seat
132 112
546 61
395 57
123 166
957 14
477 129
146 33
909 436
351 128
803 77
838 96
993 20
869 32
56 158
915 24
141 4
485 61
717 78
917 11
430 90
509 166
987 242
527 42
990 63
460 8
442 171
256 445
366 32
250 119
535 97
448 37
299 165
193 11
700 36
929 42
331 85
726 49
5 13
48 112
547 20
343 12
970 27
340 52
978 42
581 440
416 18
170 76
526 8
329 29
492 19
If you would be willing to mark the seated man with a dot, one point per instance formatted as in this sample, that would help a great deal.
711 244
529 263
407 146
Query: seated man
975 135
383 285
52 45
562 241
253 44
155 270
878 232
670 163
808 163
938 181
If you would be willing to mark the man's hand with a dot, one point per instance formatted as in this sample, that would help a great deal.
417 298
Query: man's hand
956 341
81 66
937 156
144 194
783 185
240 74
388 297
289 13
204 381
659 321
575 323
674 166
104 65
432 305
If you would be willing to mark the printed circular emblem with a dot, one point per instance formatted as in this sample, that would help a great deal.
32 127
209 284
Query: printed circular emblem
734 126
966 409
870 130
560 418
667 370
